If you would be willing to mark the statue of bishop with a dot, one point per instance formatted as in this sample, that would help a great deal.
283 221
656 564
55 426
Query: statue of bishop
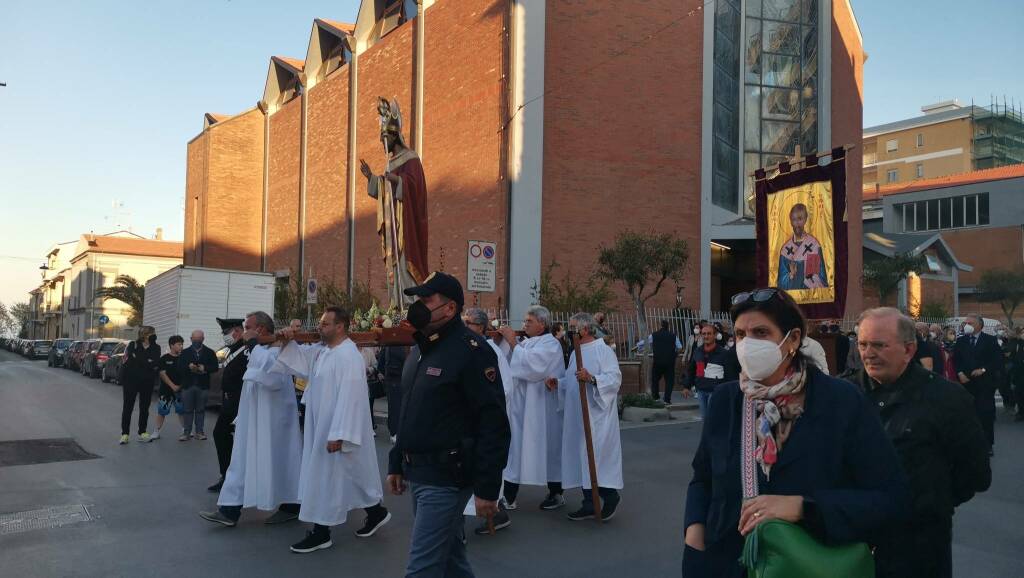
401 195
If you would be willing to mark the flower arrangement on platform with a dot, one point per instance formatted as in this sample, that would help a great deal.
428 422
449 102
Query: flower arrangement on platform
376 318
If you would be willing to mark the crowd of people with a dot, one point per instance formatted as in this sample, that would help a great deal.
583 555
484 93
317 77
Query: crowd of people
875 453
471 418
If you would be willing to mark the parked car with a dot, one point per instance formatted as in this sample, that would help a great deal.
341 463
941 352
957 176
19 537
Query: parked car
71 353
79 357
94 360
38 349
93 353
57 352
113 369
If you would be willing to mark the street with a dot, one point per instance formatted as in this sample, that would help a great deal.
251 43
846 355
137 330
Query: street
141 502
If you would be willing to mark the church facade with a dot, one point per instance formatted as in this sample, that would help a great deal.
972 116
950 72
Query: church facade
543 127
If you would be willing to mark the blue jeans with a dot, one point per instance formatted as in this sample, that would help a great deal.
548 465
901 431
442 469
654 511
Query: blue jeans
703 397
437 550
194 400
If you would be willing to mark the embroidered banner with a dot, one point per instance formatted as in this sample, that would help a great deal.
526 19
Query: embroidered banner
802 234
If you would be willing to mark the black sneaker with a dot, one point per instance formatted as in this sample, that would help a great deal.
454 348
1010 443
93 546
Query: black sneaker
584 513
552 502
501 521
373 523
216 487
608 509
314 541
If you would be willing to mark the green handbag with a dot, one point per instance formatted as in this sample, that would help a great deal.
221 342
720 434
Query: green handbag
779 549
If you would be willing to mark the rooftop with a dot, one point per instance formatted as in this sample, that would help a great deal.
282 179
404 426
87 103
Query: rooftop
984 175
128 246
923 120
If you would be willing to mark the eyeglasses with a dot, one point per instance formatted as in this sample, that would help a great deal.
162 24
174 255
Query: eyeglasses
757 295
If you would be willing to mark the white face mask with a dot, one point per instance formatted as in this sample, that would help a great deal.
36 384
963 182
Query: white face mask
696 330
229 340
931 334
759 358
718 337
968 330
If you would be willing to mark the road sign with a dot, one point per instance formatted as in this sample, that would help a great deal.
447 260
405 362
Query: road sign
104 320
311 288
482 257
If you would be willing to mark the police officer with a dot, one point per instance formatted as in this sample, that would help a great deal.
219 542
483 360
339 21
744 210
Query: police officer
234 365
453 437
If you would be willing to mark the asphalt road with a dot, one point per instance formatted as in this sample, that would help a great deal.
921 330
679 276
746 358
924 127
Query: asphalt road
142 502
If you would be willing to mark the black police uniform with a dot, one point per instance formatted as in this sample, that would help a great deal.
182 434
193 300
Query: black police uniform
454 431
236 363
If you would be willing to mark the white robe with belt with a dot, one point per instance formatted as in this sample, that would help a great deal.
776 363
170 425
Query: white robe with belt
602 400
265 457
535 454
506 383
337 408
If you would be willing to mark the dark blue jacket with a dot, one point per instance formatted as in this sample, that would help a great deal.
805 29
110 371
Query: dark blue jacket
985 353
205 357
837 455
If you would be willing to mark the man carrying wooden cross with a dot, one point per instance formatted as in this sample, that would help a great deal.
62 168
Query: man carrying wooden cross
602 378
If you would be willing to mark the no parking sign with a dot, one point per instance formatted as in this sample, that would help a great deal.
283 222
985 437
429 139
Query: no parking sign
481 266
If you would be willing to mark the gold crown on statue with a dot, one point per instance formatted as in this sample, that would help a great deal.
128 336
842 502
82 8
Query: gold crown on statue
390 118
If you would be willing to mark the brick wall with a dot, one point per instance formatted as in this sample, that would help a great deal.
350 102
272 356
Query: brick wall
847 128
986 248
195 186
462 140
621 141
234 193
283 187
326 235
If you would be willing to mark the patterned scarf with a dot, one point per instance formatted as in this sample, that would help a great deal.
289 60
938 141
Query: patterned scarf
769 413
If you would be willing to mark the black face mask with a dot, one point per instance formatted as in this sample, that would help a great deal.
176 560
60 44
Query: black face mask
420 315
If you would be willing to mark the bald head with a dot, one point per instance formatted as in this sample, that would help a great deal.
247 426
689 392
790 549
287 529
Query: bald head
197 338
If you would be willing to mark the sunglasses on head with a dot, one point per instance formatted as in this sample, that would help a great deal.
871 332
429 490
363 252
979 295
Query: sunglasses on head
757 295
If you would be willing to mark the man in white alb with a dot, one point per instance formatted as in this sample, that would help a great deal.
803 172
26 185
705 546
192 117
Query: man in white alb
339 458
265 457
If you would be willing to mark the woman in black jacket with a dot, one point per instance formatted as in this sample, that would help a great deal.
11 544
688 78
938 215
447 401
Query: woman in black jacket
141 366
822 459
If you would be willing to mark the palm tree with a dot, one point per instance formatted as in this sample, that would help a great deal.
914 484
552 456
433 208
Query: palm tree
129 291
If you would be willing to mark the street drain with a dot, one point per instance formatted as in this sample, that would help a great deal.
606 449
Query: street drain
53 517
42 451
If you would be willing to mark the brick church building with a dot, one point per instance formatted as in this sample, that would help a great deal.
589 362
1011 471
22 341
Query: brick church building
545 127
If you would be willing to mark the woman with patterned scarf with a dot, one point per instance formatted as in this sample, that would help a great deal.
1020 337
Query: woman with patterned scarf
820 456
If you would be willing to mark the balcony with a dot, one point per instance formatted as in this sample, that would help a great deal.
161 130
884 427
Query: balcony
870 159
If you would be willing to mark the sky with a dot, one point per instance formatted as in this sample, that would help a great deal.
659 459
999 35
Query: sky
102 96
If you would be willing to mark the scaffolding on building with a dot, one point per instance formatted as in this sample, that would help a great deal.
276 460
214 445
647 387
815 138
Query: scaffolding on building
998 138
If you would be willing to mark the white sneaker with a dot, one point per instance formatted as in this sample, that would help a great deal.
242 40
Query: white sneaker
508 505
155 435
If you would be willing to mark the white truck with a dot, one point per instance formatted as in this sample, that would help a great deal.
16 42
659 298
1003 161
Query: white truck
183 299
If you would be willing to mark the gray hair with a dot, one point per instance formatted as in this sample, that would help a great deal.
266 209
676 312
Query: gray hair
585 321
145 331
905 327
977 318
540 313
262 320
475 315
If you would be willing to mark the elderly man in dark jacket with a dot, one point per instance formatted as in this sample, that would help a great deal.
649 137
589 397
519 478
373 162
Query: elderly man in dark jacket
937 436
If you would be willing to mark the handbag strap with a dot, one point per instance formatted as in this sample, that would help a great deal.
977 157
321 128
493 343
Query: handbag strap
748 445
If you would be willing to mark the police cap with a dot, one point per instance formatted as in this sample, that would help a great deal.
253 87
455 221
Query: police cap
438 282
